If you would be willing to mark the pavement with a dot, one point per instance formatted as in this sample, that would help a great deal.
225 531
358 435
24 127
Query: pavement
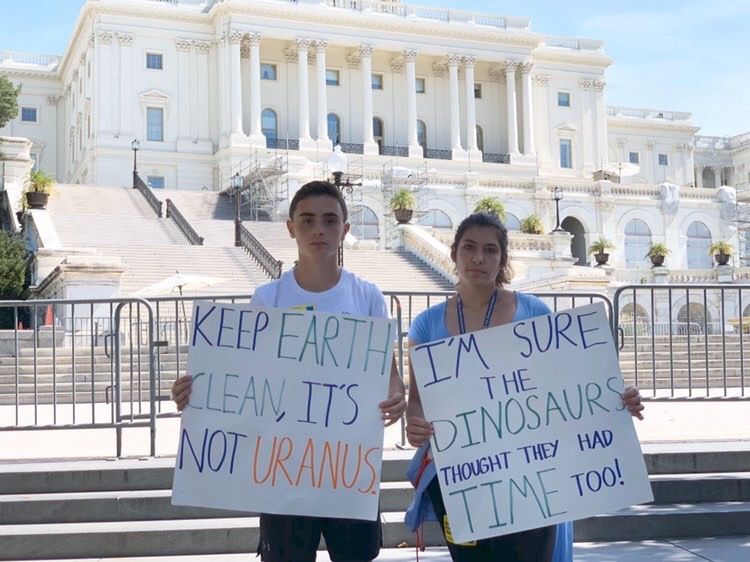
667 425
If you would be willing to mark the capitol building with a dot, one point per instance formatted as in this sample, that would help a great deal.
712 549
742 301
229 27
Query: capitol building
452 105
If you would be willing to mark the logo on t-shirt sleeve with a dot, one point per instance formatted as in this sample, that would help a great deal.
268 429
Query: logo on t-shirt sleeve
308 307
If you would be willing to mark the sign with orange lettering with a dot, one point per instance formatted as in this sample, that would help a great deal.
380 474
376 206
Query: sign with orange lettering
283 415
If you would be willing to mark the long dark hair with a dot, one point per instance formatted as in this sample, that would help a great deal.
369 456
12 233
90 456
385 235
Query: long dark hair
487 220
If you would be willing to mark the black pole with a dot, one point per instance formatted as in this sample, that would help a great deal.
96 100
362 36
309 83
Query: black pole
135 168
337 183
557 212
238 220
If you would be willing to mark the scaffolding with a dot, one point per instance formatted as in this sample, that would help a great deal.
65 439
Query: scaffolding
397 177
265 184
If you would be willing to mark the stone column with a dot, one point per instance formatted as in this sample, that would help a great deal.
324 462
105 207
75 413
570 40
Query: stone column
600 120
257 139
184 113
456 148
410 57
587 140
223 95
471 108
717 176
235 85
201 92
106 84
529 146
544 150
510 79
370 146
305 142
125 91
699 175
323 142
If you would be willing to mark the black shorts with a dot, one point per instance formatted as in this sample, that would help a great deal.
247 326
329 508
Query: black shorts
295 538
535 545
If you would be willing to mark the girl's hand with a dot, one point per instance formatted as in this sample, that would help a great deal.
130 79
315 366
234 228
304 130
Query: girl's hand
418 431
631 399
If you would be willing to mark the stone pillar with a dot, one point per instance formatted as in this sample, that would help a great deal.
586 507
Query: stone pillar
471 110
410 57
184 113
106 83
324 143
368 140
717 176
699 175
223 95
529 146
544 149
600 121
453 62
235 84
510 78
201 93
303 90
125 91
587 140
257 139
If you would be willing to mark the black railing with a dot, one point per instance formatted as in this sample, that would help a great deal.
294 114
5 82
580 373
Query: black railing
284 144
263 257
151 199
183 225
496 158
351 148
396 151
435 154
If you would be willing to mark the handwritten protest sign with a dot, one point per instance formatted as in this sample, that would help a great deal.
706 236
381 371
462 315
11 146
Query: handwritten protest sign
283 414
529 425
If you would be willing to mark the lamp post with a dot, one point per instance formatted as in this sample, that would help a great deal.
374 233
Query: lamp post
135 145
237 184
337 164
558 195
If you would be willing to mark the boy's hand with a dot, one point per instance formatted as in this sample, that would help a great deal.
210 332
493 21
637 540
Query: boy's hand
631 399
181 391
418 431
393 408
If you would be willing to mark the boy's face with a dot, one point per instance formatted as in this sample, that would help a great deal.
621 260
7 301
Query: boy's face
318 226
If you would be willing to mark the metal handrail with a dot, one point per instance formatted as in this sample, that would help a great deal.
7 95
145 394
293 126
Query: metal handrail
182 224
263 257
151 199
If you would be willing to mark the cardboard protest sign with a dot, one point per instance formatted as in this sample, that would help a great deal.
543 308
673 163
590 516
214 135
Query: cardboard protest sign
529 425
283 414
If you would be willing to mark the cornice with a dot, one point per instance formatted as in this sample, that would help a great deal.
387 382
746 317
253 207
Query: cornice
560 55
659 125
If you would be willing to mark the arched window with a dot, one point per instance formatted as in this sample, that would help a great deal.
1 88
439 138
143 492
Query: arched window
422 134
364 223
512 222
334 128
269 126
480 138
637 240
692 318
377 133
436 218
698 243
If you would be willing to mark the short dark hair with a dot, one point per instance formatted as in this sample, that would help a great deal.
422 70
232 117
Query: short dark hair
487 220
317 188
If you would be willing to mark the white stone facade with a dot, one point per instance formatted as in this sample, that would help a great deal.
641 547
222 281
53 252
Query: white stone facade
467 105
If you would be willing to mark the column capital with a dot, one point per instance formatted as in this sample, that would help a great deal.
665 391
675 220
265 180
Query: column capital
245 50
439 69
303 44
125 39
410 55
453 59
320 46
52 99
83 59
469 61
511 66
526 67
92 40
541 79
353 59
184 45
202 46
366 50
649 145
105 37
254 39
599 85
496 73
235 37
585 84
290 54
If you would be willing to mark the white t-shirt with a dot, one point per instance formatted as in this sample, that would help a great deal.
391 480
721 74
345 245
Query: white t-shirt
351 295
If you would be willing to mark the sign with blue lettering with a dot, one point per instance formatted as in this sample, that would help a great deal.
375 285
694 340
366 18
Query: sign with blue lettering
283 415
529 425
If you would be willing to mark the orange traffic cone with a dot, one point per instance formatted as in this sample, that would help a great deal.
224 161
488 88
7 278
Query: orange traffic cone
48 316
20 325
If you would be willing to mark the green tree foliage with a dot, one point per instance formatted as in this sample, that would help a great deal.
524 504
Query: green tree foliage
12 275
491 205
8 100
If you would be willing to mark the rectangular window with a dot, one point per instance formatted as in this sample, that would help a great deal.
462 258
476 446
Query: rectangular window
155 182
154 61
566 153
663 160
634 158
377 81
332 77
478 91
28 114
420 85
563 99
155 124
268 72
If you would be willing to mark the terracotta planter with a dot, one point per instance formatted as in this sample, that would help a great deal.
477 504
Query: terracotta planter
601 258
403 216
722 258
36 199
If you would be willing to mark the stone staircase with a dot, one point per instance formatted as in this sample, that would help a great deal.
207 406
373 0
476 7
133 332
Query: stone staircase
88 509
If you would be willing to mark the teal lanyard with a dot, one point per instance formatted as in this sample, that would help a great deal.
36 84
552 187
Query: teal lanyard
487 316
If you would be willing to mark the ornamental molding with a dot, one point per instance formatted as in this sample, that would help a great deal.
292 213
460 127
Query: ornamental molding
651 124
410 55
397 65
202 47
320 46
599 85
353 59
541 79
184 45
511 66
52 99
469 61
496 74
453 59
585 84
105 37
254 39
526 67
439 69
290 54
235 37
366 50
125 39
302 44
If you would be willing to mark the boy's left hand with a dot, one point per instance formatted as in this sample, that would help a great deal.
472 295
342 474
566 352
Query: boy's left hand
631 399
393 408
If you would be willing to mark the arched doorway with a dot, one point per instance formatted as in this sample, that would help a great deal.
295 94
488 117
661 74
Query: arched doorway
692 318
578 243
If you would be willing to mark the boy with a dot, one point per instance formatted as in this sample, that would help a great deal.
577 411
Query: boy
318 223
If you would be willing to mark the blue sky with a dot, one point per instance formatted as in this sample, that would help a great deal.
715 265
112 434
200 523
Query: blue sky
678 55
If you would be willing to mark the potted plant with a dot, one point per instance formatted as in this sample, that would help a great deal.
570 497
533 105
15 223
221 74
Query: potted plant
39 187
532 225
721 251
402 205
491 205
599 249
657 252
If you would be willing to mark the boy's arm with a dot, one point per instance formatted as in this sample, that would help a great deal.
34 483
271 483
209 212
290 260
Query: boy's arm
394 406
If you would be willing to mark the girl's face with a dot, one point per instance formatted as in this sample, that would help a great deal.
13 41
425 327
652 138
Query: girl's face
478 256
